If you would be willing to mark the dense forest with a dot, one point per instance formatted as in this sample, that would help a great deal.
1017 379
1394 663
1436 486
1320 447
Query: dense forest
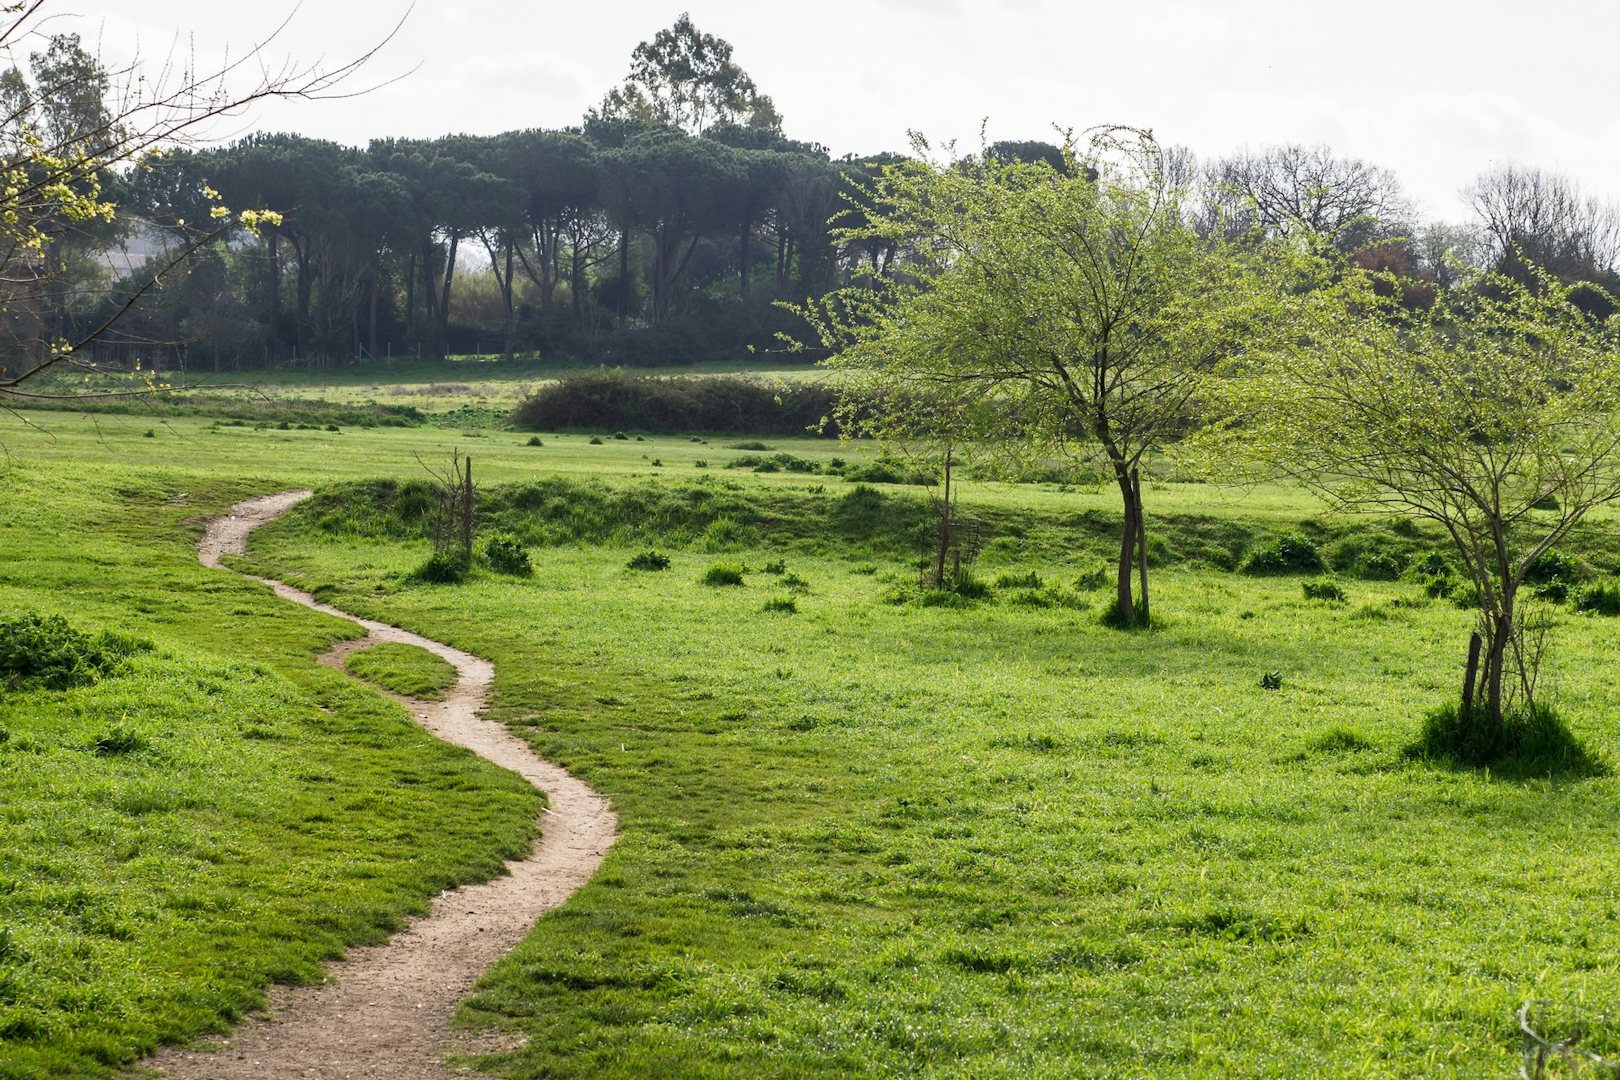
663 228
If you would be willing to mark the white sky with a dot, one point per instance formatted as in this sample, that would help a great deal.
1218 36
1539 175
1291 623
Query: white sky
1437 90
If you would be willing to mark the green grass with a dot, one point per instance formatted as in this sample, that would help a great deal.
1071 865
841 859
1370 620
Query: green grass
877 838
1003 840
403 669
208 817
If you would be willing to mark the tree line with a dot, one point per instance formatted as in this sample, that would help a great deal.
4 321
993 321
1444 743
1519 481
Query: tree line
665 227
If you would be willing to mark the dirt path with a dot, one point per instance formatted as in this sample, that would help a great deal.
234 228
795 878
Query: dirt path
385 1010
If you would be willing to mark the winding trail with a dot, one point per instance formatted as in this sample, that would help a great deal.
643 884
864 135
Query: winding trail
384 1010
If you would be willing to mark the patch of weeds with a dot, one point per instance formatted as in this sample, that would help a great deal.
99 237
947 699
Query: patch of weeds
868 569
45 652
649 560
149 434
1098 577
1271 680
1007 579
595 440
119 741
1323 589
795 583
785 605
1525 743
775 566
721 574
750 445
621 436
534 440
700 463
1601 598
506 554
442 568
1291 553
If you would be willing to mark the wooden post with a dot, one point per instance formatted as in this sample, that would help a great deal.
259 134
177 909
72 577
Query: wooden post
1474 643
467 513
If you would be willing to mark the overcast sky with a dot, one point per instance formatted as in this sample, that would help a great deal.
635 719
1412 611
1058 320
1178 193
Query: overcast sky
1437 90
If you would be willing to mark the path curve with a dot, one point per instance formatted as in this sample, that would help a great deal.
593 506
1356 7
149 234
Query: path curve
384 1010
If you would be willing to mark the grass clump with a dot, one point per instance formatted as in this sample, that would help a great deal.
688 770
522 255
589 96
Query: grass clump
1599 598
723 574
1291 553
442 568
1323 589
505 554
403 669
1524 743
784 605
649 560
46 652
534 440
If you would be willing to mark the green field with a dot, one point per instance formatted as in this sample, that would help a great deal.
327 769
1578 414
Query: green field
864 836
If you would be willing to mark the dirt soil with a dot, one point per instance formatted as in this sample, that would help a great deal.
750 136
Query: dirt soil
385 1010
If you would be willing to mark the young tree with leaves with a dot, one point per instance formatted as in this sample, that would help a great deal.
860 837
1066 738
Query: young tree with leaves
1494 414
1078 300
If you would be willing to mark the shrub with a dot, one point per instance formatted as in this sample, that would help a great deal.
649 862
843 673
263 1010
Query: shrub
1529 742
534 440
679 405
621 436
1291 553
723 574
596 440
1323 589
1602 598
1271 680
45 652
649 560
786 605
442 568
506 554
1554 565
749 445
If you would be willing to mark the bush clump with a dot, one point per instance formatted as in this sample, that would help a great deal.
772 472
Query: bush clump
442 568
615 398
1528 742
723 574
1600 598
784 605
1323 589
506 554
45 652
649 560
1291 553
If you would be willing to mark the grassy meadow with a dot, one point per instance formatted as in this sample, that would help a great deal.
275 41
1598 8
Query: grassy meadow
863 833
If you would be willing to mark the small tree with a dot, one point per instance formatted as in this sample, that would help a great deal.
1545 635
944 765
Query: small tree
1077 304
1493 415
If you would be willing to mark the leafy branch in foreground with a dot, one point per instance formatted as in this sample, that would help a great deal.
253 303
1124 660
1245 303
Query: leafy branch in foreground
70 132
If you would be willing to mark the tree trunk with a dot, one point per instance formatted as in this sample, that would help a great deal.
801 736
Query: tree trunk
511 306
744 251
1497 637
944 528
1141 544
1127 546
624 275
444 296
